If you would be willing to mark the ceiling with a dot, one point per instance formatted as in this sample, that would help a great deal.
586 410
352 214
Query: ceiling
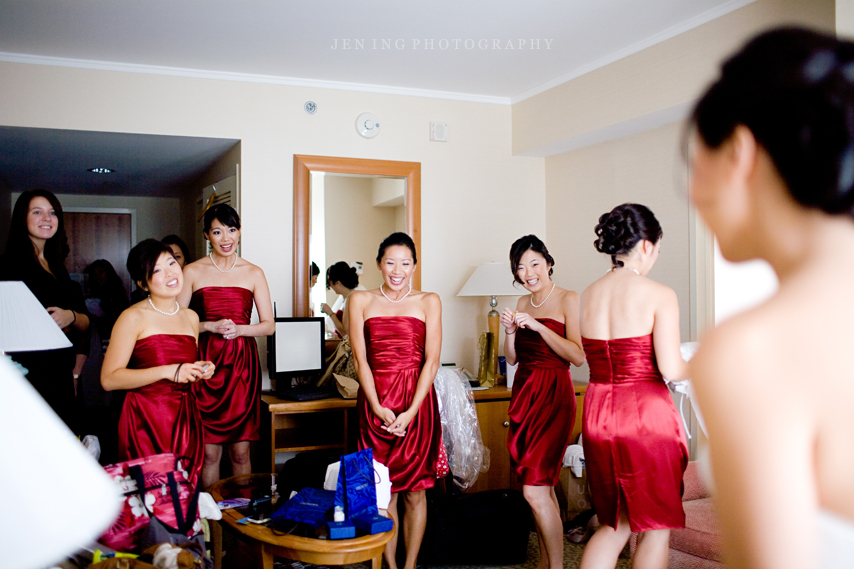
477 50
145 165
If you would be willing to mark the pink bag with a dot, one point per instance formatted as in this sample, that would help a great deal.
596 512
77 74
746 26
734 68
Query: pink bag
158 486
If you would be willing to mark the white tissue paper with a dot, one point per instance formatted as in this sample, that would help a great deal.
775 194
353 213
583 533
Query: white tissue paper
208 508
686 390
573 458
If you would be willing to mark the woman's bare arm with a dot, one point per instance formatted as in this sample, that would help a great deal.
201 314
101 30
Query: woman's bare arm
762 451
666 338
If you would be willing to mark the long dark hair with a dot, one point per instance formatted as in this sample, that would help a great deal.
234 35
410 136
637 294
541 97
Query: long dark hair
619 230
20 247
794 89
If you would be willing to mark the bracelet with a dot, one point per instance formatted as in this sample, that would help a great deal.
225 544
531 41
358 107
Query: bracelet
75 318
177 370
506 333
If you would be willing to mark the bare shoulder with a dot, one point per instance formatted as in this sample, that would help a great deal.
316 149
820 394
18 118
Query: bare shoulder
737 357
359 298
568 296
429 298
191 315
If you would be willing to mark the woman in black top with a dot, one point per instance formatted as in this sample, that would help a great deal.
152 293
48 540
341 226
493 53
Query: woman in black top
35 254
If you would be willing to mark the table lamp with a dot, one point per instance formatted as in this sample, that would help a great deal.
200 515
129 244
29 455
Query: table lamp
492 280
56 497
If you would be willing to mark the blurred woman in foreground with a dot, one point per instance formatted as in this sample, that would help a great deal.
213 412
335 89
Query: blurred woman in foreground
773 177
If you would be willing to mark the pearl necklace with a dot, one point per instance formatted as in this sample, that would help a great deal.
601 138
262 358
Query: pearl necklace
544 301
220 270
173 313
627 268
394 301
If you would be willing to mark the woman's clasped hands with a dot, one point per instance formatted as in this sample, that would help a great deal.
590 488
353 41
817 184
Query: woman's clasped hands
226 327
396 425
512 321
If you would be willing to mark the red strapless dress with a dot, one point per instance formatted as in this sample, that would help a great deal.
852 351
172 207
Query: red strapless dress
230 401
162 416
542 408
395 350
634 443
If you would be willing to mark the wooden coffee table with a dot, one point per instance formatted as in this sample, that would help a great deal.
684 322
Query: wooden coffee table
310 550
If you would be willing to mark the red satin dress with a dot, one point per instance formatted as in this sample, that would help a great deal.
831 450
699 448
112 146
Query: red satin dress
395 351
230 401
542 408
634 442
162 416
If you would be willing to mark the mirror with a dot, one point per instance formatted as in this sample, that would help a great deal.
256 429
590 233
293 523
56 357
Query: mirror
370 177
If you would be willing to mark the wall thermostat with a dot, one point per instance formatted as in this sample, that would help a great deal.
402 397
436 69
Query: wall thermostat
367 125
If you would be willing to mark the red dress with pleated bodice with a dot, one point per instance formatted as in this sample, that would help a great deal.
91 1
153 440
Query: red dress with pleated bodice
634 443
230 401
395 351
162 416
542 408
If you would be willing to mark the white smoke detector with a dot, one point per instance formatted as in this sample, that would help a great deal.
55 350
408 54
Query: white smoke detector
367 125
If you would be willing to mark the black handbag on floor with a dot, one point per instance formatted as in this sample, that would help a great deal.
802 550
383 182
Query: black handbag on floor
483 528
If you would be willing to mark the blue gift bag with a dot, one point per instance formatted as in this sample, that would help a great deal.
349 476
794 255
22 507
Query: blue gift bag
356 491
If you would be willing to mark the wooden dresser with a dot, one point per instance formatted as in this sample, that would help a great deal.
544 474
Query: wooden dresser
331 424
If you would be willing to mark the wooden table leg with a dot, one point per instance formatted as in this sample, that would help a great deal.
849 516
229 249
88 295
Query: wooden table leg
266 557
377 562
216 543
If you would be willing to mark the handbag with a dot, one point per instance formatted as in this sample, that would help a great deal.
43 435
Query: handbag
152 486
340 363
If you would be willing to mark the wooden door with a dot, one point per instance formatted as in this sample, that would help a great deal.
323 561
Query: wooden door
93 236
494 423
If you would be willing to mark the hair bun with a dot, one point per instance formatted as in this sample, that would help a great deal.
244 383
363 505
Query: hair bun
619 230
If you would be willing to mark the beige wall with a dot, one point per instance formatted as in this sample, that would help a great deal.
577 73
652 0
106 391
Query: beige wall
467 182
665 76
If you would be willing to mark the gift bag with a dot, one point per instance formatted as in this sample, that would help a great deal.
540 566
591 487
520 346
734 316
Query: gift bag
356 491
156 485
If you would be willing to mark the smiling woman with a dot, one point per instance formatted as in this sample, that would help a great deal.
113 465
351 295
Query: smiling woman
222 288
36 253
153 355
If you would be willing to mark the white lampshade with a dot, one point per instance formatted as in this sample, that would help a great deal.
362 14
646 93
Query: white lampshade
25 326
56 497
491 279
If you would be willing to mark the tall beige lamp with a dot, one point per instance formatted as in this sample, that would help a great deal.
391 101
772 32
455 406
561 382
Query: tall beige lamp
492 280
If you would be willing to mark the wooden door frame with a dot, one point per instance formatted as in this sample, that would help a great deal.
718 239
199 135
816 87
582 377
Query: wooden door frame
303 167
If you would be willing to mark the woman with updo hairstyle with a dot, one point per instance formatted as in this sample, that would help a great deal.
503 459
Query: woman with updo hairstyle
341 278
222 288
773 178
542 336
635 447
179 249
35 254
153 354
396 336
